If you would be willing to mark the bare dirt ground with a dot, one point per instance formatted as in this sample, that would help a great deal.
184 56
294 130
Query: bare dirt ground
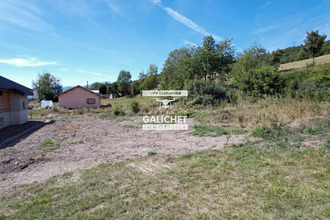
82 142
16 129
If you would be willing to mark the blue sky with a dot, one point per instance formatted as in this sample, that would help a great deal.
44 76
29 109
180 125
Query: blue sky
92 40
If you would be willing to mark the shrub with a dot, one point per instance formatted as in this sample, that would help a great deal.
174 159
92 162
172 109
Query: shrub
207 93
260 82
307 84
80 111
118 112
135 107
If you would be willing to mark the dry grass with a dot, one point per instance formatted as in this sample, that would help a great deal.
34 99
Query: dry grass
263 112
304 63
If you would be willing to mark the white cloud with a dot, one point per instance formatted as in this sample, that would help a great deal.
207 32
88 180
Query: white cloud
188 43
80 71
264 29
184 20
113 5
27 62
157 2
24 14
83 71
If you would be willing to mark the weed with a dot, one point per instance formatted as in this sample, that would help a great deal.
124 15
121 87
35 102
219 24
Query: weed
118 111
151 154
241 118
76 142
135 107
107 116
48 143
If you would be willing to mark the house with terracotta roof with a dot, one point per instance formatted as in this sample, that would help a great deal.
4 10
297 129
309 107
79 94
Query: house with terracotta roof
13 103
79 97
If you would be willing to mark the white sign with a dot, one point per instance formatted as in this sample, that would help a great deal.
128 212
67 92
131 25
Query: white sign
164 92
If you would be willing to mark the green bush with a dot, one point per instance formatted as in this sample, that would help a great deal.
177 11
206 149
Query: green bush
308 84
207 93
135 107
118 112
260 82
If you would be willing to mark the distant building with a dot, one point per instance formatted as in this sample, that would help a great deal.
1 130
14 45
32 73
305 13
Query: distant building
13 103
79 97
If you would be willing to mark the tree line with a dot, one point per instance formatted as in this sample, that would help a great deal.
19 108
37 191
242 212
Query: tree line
211 71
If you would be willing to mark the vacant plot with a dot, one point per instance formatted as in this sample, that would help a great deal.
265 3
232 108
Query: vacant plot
80 142
208 172
304 63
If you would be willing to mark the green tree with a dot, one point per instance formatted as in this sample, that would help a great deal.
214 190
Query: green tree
113 89
124 80
174 73
210 61
103 89
135 87
252 58
151 78
275 57
95 86
47 87
314 42
142 76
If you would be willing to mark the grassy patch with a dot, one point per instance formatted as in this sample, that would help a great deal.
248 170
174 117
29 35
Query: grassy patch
48 143
215 131
317 133
209 130
245 183
107 116
76 142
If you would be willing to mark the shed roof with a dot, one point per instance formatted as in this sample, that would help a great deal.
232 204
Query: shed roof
7 84
79 87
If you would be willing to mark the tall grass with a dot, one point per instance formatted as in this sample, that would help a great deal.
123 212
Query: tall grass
264 111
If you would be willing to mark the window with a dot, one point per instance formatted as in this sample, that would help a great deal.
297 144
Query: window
2 120
23 105
90 101
0 93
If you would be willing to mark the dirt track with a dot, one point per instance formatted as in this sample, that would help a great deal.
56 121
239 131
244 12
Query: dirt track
82 142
